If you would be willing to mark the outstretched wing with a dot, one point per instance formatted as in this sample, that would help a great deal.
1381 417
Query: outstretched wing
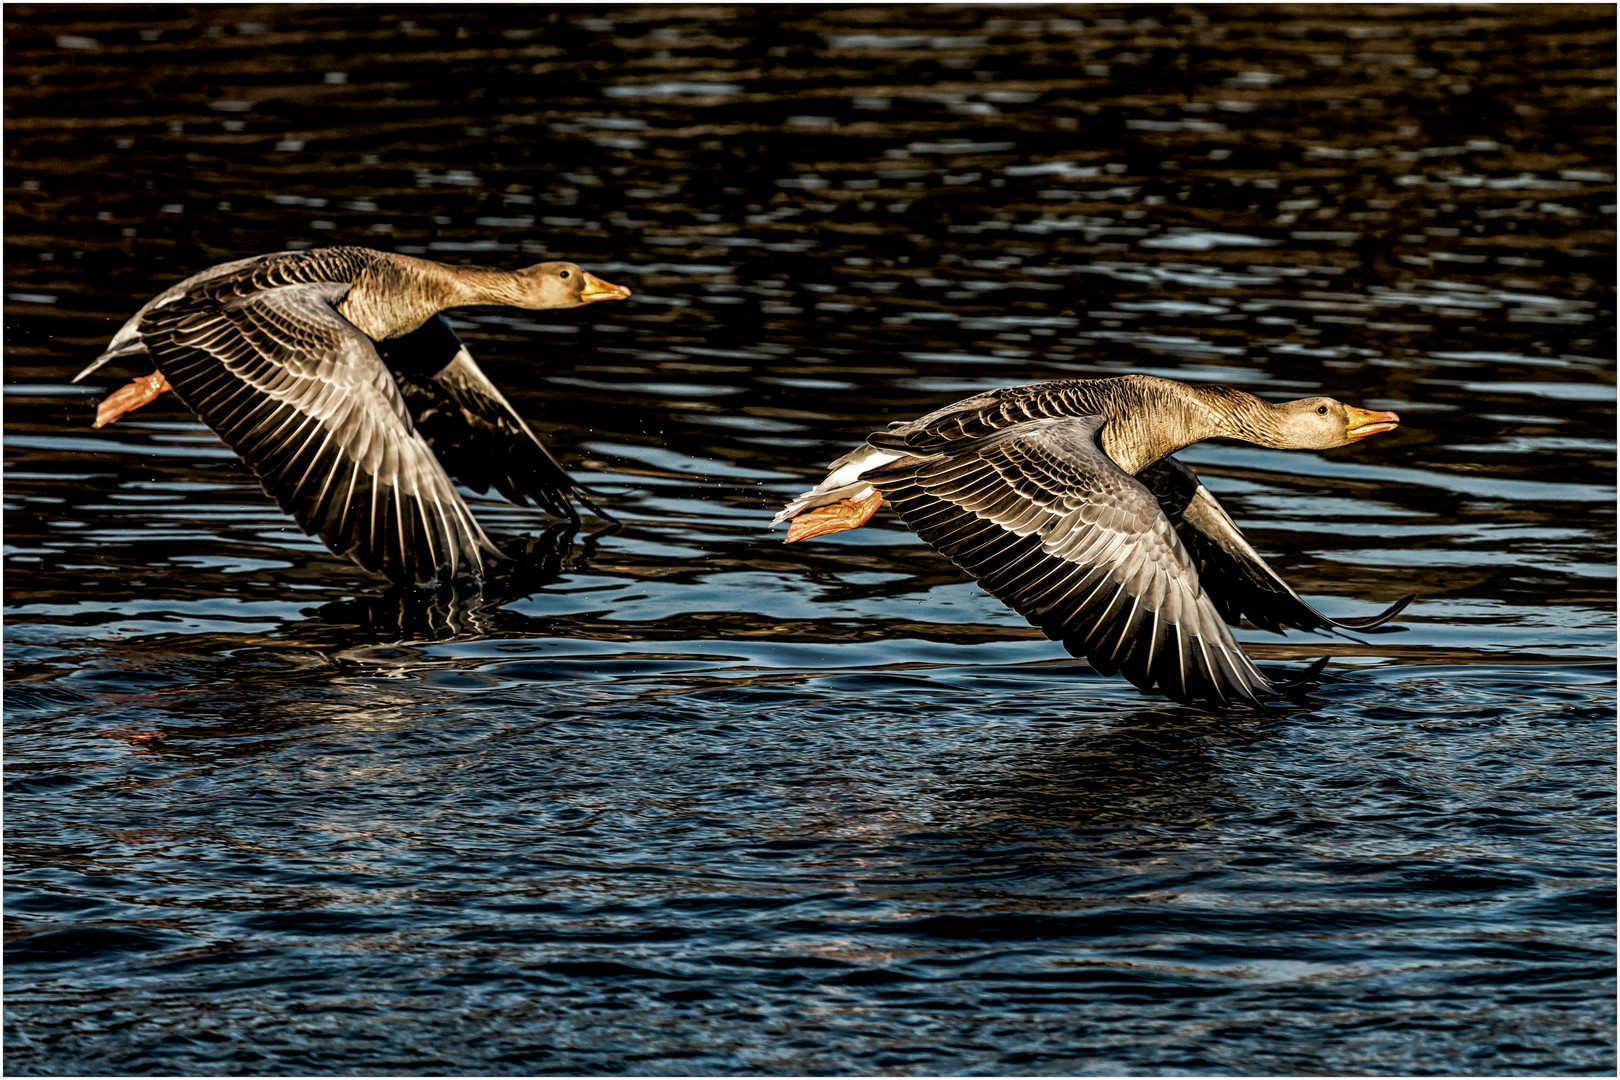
1049 525
302 396
1235 576
470 425
238 278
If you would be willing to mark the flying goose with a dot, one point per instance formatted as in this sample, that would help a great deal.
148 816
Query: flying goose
1063 501
334 376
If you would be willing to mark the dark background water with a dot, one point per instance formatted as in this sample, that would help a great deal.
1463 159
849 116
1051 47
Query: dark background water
687 800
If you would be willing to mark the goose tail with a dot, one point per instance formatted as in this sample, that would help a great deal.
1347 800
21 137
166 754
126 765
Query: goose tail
842 501
843 482
128 343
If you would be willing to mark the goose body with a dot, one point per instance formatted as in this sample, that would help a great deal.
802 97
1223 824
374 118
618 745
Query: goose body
332 373
1064 501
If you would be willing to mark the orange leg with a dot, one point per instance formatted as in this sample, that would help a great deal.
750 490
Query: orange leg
849 514
126 399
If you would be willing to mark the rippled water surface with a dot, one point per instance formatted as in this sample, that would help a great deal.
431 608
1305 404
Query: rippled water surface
683 800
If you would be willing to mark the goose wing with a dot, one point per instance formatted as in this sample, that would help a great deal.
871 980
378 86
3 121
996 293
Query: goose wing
303 397
237 278
470 425
1049 525
1233 573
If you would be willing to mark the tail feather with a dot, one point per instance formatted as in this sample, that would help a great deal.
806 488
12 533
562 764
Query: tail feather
843 482
114 352
851 513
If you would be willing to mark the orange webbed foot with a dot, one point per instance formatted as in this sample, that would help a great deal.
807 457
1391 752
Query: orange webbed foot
839 517
126 399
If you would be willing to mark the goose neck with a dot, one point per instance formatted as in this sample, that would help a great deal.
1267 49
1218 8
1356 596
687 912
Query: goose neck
1156 417
398 294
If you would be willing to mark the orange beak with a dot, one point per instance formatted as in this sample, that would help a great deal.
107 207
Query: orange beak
1364 422
597 289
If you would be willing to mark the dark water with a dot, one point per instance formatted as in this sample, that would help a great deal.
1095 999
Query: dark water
687 801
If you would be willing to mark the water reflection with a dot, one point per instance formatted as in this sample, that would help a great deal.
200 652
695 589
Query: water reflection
1149 769
407 613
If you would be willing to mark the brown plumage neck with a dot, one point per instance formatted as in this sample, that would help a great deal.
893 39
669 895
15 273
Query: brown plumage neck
397 293
1149 418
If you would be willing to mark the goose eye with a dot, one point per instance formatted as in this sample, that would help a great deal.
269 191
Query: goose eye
1321 410
564 274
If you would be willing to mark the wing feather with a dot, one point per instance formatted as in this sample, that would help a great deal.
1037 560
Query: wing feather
1236 577
469 423
1047 523
303 397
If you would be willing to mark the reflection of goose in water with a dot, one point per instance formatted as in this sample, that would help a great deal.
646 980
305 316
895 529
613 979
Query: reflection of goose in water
333 375
1154 767
403 613
303 673
1061 499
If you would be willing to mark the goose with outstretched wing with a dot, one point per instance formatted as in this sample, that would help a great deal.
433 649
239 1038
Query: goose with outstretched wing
1063 501
332 373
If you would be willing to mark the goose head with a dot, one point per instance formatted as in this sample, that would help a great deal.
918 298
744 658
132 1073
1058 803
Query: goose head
1321 423
564 284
